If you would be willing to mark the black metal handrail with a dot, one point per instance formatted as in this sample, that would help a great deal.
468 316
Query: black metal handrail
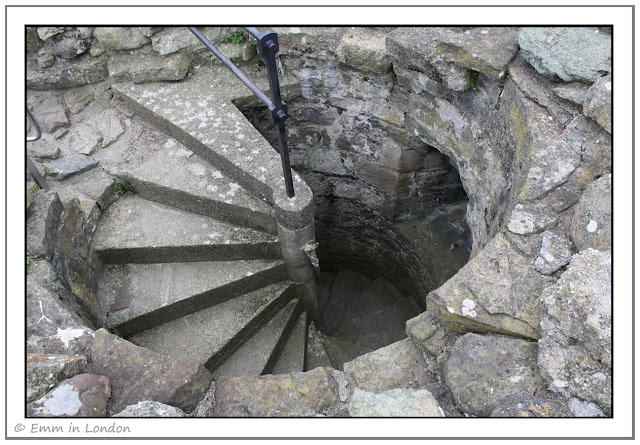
267 48
30 165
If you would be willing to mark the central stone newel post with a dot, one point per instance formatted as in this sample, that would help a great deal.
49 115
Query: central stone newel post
296 232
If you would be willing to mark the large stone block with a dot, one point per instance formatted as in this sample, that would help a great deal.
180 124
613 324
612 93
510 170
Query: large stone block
399 365
46 371
43 218
149 67
120 38
497 291
591 224
483 370
597 102
567 53
575 348
398 402
68 73
84 395
286 395
137 374
364 49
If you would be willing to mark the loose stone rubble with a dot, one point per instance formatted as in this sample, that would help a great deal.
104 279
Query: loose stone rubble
387 126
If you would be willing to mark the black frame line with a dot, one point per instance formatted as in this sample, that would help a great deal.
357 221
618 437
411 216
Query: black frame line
632 6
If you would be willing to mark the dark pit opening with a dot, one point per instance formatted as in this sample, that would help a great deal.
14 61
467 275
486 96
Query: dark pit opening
390 221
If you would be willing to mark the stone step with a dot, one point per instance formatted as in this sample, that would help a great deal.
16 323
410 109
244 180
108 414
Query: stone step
251 358
140 296
200 114
135 230
316 355
352 346
345 293
389 319
380 294
212 335
337 355
292 357
174 175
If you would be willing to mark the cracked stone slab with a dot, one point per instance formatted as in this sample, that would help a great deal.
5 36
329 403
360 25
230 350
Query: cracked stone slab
497 291
140 296
136 230
212 334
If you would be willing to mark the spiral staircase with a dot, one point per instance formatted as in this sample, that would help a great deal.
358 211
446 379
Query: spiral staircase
205 257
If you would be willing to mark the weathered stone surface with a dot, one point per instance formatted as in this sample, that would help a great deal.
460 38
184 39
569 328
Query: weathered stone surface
77 101
497 291
69 74
550 165
205 406
585 409
591 223
556 252
597 102
149 67
483 370
485 50
148 408
528 219
568 53
573 92
575 349
430 334
51 327
70 44
120 38
138 374
286 395
364 49
43 218
528 405
84 139
51 115
70 165
399 365
171 40
46 371
84 395
46 32
109 127
398 402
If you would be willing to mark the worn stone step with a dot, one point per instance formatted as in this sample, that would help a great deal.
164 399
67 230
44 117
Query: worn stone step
388 319
252 357
380 294
316 355
136 230
352 346
337 355
345 293
163 170
211 335
292 357
140 296
200 114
